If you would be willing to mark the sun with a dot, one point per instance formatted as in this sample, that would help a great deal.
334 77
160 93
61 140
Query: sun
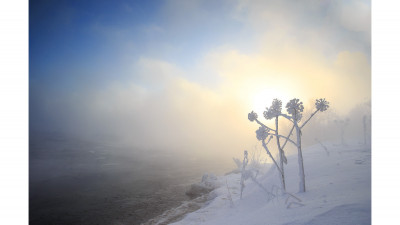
263 98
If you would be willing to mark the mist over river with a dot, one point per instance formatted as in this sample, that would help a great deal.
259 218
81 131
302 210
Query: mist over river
72 181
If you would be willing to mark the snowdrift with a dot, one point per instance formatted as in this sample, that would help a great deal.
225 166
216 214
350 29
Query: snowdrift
338 182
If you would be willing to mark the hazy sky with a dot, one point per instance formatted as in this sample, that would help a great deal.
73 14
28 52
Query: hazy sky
179 74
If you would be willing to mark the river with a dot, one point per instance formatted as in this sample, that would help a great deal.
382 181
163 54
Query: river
79 182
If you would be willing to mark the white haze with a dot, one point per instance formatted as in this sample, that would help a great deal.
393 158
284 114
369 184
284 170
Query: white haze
282 49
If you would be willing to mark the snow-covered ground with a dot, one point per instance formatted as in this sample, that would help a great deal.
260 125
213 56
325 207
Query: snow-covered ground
338 192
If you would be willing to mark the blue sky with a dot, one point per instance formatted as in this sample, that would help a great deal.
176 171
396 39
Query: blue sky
94 41
104 37
66 37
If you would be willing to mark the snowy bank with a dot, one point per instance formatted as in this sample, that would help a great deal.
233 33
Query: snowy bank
338 192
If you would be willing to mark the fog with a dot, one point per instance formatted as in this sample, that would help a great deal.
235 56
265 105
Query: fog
130 99
177 116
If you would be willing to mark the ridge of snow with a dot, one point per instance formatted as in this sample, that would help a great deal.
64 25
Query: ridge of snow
338 192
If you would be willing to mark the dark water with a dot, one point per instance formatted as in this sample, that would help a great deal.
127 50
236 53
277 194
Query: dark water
78 182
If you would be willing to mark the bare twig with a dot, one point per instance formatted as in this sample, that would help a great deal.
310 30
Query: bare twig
309 119
291 195
323 146
245 161
286 140
270 155
270 195
229 194
263 125
294 203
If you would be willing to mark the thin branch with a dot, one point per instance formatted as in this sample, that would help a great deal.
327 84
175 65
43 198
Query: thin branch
287 117
286 138
285 192
263 125
229 193
269 153
282 154
309 118
269 139
290 133
323 146
262 187
291 195
277 133
294 203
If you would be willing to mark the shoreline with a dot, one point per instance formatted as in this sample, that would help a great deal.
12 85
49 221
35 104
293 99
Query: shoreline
74 182
332 198
203 193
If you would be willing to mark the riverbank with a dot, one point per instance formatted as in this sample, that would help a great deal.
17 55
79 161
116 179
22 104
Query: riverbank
338 181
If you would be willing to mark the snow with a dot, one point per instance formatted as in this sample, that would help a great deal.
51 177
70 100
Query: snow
207 184
338 192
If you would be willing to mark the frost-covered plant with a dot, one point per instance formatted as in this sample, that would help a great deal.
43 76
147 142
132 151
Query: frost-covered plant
244 174
295 108
273 111
252 116
256 160
321 104
250 167
262 133
295 113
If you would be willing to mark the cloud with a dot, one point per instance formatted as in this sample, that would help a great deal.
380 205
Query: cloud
331 26
294 71
354 15
174 113
165 112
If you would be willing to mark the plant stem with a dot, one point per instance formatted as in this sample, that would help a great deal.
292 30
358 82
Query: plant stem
290 133
263 125
287 139
281 154
302 184
269 153
309 118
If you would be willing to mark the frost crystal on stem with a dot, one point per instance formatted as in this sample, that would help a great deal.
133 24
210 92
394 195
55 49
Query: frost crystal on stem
262 133
274 111
295 108
321 104
252 116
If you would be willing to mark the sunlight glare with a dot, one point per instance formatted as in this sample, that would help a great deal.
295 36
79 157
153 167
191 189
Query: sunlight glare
264 98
